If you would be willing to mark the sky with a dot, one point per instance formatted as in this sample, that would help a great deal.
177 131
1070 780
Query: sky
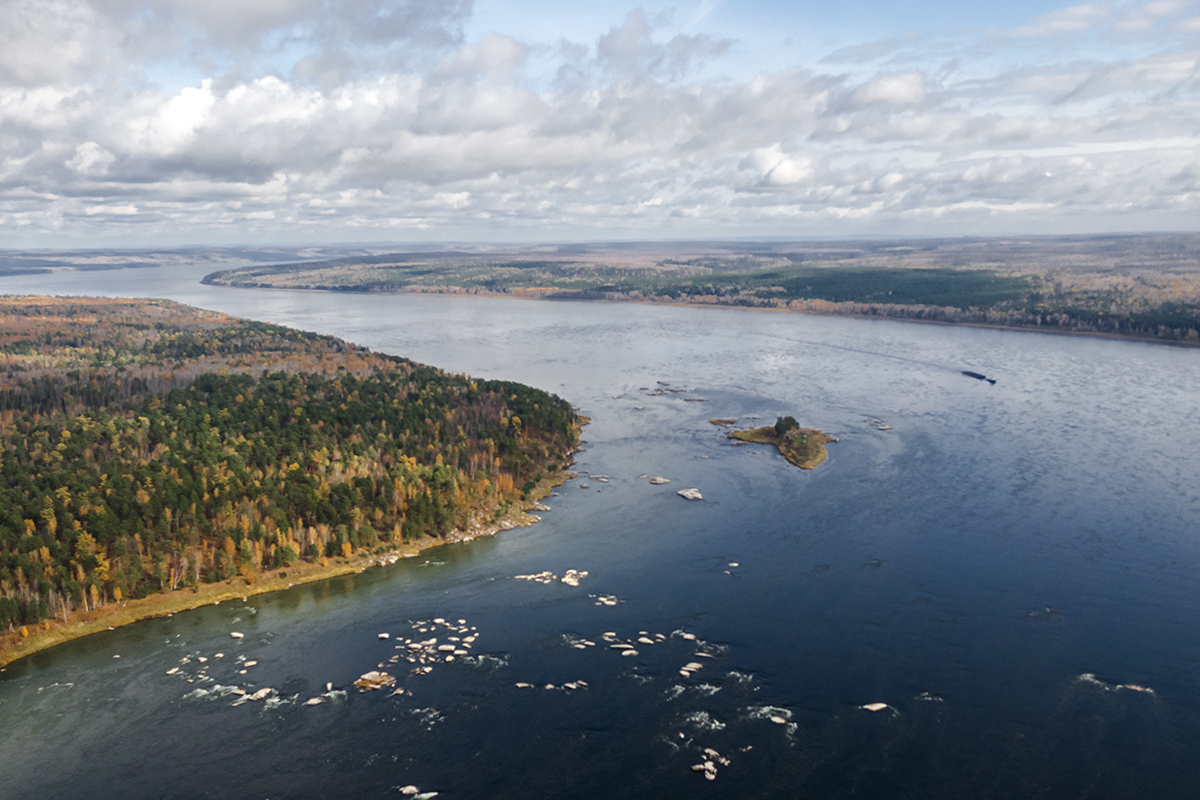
177 122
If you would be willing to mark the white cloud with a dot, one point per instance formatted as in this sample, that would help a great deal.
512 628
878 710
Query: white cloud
1086 16
91 160
174 123
279 127
50 41
896 89
125 210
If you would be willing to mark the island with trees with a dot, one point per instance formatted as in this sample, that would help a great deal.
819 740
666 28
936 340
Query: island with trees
154 457
804 447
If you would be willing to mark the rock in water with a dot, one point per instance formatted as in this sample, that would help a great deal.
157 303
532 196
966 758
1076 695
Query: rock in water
374 680
690 494
874 706
659 480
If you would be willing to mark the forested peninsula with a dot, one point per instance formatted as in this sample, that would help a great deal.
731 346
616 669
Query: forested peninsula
155 456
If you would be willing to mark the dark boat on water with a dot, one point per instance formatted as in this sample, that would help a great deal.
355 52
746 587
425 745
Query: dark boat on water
979 377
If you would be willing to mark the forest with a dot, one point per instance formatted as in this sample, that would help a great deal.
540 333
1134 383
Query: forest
146 446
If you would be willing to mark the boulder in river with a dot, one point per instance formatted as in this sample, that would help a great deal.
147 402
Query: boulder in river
690 494
374 680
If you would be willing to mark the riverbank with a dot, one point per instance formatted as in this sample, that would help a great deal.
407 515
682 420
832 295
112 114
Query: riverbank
30 639
1056 326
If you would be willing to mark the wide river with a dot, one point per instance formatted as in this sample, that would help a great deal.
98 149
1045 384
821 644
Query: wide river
1013 569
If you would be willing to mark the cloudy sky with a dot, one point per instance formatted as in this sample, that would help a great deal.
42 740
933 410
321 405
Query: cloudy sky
158 122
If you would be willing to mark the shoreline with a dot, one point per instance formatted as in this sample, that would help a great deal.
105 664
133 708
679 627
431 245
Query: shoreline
728 307
51 633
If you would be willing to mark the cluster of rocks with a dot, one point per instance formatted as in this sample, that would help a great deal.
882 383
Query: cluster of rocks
424 653
241 666
687 494
329 694
571 577
709 765
663 387
261 694
692 667
476 529
569 686
1089 677
414 792
546 577
606 599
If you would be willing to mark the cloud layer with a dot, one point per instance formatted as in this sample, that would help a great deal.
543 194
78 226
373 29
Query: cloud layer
168 121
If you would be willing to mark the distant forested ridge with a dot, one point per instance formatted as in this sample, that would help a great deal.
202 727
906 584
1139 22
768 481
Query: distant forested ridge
147 446
1144 286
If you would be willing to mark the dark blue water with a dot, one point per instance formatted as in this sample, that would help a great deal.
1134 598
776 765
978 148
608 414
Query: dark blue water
1001 569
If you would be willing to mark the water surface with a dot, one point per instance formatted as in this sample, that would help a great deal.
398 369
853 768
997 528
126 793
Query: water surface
998 568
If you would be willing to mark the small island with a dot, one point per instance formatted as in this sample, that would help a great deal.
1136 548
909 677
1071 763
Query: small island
804 447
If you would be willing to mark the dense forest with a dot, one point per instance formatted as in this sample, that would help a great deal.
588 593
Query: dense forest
146 446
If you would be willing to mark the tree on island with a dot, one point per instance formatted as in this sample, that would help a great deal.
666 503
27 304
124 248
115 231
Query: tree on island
785 424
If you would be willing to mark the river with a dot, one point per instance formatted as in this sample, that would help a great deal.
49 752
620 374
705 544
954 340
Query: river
1012 569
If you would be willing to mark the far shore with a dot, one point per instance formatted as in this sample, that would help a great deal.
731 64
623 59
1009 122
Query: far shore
519 295
49 633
